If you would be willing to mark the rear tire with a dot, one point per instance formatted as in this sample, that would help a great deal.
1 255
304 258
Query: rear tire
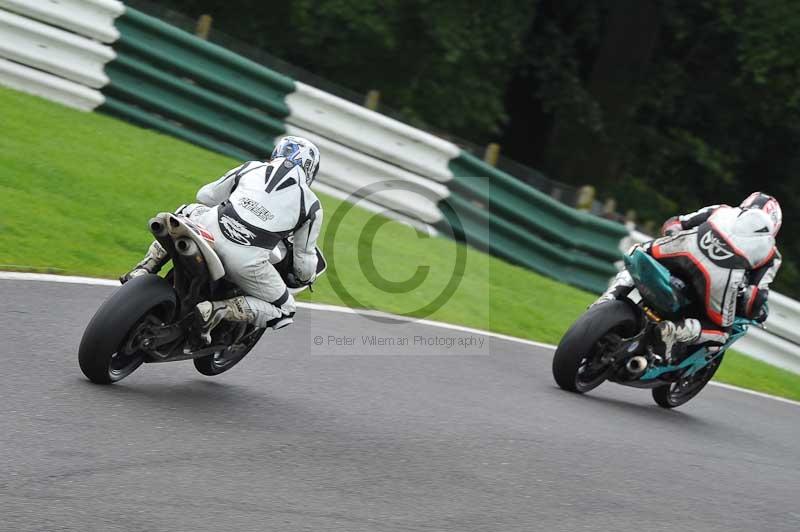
102 355
578 348
671 396
221 362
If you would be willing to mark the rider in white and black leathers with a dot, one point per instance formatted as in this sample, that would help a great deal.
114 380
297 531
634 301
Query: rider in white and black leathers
249 211
753 298
728 256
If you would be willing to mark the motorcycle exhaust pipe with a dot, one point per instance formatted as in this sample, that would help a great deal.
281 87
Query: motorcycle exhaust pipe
157 227
636 365
186 246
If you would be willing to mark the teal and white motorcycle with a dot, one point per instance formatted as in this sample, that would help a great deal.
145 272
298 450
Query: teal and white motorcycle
610 341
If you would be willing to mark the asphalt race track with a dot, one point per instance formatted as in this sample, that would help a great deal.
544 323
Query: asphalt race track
434 435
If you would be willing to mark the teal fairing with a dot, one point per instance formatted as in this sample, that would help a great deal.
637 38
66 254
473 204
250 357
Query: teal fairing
700 358
668 296
611 341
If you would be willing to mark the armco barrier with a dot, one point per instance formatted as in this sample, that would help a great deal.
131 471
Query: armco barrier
48 86
546 236
784 315
90 18
535 210
479 227
395 188
371 133
196 107
181 54
53 50
144 118
50 49
167 79
770 348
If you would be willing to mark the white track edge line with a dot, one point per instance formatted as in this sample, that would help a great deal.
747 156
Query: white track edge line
52 278
430 323
755 393
70 279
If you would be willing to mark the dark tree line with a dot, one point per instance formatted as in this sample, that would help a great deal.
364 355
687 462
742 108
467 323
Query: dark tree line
666 105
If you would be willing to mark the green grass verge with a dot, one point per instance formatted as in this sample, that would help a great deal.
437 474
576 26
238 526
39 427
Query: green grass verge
747 372
76 191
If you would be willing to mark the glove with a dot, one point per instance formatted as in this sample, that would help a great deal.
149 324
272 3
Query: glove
671 226
293 282
762 314
751 303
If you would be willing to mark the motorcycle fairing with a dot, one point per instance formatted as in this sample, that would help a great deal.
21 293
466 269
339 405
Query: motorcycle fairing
700 358
181 227
655 283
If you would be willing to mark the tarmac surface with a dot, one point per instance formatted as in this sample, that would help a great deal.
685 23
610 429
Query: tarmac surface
338 423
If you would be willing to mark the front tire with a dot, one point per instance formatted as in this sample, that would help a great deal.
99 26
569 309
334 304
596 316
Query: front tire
576 367
107 353
675 394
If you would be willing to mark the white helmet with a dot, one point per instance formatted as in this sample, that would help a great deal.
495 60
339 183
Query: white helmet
300 151
748 233
768 204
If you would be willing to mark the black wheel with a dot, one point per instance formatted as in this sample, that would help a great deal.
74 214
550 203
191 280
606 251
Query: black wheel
682 391
576 364
109 349
224 360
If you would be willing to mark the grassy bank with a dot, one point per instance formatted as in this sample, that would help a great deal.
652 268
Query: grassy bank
77 189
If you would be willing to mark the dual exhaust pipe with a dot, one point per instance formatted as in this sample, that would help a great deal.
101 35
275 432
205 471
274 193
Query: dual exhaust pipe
184 245
159 228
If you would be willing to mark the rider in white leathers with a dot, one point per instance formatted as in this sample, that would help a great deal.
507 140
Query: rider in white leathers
727 255
249 211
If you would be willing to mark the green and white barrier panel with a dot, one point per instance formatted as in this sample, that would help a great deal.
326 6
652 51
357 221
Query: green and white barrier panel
57 50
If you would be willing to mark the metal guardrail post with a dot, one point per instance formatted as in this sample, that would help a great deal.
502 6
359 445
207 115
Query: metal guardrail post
492 153
203 26
372 100
586 196
609 207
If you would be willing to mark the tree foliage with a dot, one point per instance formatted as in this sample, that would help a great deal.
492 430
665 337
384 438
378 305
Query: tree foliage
711 117
436 61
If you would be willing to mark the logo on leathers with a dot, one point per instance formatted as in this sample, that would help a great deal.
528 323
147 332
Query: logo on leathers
714 247
235 231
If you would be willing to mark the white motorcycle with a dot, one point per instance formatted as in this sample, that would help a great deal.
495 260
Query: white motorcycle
151 319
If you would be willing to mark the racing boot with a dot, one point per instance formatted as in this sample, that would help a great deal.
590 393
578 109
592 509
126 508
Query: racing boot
243 308
668 334
620 286
210 313
280 323
151 263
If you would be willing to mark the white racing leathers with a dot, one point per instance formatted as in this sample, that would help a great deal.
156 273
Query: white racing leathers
252 208
758 279
716 258
708 257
